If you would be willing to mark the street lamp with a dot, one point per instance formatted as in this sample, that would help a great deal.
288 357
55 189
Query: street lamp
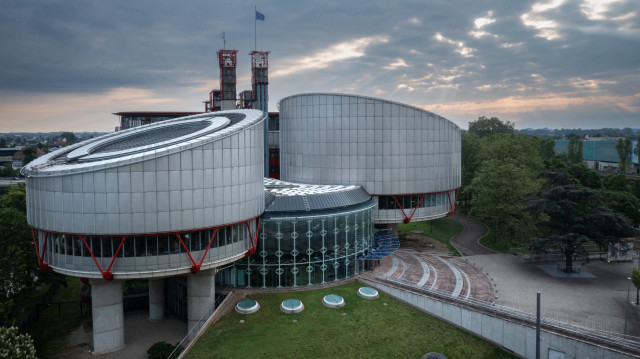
626 312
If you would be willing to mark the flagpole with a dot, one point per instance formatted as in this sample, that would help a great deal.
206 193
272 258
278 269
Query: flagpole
255 32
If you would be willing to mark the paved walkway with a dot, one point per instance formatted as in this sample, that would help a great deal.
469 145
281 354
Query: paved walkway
139 335
467 242
597 302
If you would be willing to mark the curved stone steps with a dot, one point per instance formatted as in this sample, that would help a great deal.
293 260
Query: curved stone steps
443 273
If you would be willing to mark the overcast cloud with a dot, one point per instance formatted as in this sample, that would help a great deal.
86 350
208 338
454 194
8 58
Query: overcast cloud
555 63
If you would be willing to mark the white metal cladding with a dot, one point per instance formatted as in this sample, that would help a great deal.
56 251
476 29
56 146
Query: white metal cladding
208 180
386 147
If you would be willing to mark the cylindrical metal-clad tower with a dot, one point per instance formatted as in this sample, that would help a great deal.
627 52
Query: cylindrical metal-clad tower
157 200
407 158
174 197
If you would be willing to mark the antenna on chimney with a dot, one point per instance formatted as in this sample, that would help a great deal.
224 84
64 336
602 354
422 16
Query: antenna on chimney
224 41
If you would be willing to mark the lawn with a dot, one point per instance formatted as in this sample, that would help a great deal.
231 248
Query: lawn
498 245
51 329
381 328
441 229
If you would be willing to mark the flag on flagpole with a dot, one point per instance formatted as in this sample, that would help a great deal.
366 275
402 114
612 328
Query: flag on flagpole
259 16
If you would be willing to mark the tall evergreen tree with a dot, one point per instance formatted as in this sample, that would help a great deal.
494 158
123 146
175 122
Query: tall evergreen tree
571 215
575 151
624 149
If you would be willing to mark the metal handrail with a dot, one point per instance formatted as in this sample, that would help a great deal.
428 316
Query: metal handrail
189 337
617 340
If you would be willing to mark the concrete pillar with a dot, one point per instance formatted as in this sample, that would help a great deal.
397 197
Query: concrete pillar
156 300
201 296
108 315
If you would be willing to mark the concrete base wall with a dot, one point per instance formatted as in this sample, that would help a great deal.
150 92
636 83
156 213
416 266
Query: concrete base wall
518 338
156 299
108 316
201 296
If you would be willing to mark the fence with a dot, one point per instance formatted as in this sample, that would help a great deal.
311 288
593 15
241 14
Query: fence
193 333
25 324
594 337
526 254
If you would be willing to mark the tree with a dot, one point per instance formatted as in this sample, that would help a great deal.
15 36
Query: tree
618 182
16 198
30 154
570 215
8 171
624 154
623 203
15 345
470 160
484 126
575 151
498 194
70 137
546 148
585 176
506 171
520 148
44 146
635 187
471 148
635 278
18 267
19 272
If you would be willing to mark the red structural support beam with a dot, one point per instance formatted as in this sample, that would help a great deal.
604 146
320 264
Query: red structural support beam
254 244
41 264
452 205
116 254
108 275
105 275
208 246
407 219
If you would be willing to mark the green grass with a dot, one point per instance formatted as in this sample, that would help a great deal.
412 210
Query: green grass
368 330
498 246
443 230
50 330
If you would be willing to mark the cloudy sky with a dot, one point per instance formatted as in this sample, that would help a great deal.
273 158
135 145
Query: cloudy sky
67 65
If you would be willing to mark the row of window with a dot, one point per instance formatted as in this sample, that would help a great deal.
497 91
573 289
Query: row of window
411 201
142 246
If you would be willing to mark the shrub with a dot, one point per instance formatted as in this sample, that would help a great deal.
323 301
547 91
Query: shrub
15 345
160 350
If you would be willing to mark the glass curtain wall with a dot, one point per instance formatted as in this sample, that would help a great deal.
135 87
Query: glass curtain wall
304 251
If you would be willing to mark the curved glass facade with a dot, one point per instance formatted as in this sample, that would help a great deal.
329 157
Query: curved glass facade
298 251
